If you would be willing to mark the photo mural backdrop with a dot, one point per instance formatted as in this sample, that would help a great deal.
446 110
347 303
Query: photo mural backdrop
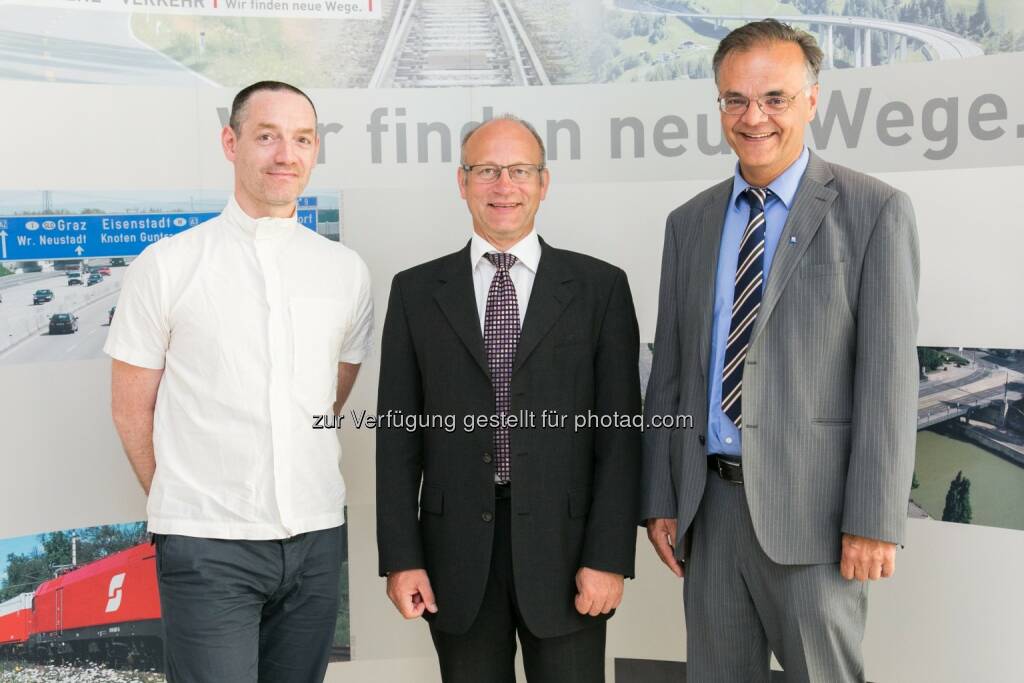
112 111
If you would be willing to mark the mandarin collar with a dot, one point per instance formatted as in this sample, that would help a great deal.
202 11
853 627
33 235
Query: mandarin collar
258 228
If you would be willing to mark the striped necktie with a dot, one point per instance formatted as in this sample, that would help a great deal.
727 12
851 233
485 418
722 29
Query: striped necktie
746 302
501 338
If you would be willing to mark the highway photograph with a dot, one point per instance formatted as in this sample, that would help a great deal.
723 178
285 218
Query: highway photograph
61 270
63 256
483 43
57 314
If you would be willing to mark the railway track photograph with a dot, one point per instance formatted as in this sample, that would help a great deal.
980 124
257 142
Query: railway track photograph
484 43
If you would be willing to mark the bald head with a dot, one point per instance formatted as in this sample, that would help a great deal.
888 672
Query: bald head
506 125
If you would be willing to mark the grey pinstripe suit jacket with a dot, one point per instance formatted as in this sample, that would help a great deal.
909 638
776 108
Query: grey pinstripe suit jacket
830 379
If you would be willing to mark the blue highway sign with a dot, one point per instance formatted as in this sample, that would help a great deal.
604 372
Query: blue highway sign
40 238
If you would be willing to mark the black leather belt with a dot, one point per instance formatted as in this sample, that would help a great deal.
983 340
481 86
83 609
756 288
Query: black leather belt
727 467
503 490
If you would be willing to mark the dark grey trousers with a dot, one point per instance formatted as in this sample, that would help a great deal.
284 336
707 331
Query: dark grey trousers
249 611
741 607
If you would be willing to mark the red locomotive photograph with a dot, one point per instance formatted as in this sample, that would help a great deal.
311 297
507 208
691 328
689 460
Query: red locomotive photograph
83 604
106 611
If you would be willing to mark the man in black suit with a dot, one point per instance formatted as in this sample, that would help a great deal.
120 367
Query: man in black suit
509 506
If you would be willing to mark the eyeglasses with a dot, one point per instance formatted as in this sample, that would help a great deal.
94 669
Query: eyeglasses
489 173
772 105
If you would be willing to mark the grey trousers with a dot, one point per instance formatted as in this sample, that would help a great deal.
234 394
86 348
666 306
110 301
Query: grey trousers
249 611
741 607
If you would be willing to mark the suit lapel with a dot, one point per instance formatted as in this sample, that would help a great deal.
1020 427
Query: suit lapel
811 203
705 260
551 294
457 300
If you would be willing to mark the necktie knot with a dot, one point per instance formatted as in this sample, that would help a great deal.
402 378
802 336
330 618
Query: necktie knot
501 260
756 197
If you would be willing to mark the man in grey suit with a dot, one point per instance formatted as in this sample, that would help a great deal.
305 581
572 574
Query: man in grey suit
786 327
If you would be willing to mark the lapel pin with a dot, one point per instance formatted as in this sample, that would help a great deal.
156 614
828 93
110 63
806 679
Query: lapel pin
792 240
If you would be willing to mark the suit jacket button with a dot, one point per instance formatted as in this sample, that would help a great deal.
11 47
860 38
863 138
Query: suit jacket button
487 457
487 516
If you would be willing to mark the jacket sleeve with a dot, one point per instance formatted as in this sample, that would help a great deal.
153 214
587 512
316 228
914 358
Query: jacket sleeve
658 497
610 540
884 418
399 452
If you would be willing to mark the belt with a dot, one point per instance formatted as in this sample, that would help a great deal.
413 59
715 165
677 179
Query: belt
502 491
727 467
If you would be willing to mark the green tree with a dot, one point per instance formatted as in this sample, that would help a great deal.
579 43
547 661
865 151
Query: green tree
57 547
980 25
26 571
699 69
1007 41
657 31
813 6
929 358
929 13
640 24
617 24
961 24
958 501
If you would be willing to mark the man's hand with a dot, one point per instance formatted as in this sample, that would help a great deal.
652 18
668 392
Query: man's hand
662 533
410 591
597 592
867 558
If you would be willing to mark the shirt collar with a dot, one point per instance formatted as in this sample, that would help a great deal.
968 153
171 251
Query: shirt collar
257 228
784 187
526 250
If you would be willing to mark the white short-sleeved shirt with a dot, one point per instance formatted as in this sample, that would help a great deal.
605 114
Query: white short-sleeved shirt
249 319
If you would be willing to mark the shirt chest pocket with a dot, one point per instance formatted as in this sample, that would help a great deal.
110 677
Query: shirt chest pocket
318 328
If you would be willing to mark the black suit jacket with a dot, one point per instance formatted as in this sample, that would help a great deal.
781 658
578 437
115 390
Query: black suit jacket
575 494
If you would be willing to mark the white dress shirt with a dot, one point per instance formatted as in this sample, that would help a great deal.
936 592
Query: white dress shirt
248 319
522 273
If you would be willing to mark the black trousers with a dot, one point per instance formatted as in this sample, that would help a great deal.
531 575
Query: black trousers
249 611
486 653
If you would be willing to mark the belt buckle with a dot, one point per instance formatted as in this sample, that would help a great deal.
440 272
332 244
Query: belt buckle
721 463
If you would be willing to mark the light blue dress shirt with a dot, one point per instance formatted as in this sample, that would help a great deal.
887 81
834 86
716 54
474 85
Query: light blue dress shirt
723 436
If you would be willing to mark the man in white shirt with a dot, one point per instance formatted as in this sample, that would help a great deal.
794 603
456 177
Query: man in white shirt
229 339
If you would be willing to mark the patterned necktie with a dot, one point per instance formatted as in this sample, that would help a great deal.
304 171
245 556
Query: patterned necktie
746 302
501 338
